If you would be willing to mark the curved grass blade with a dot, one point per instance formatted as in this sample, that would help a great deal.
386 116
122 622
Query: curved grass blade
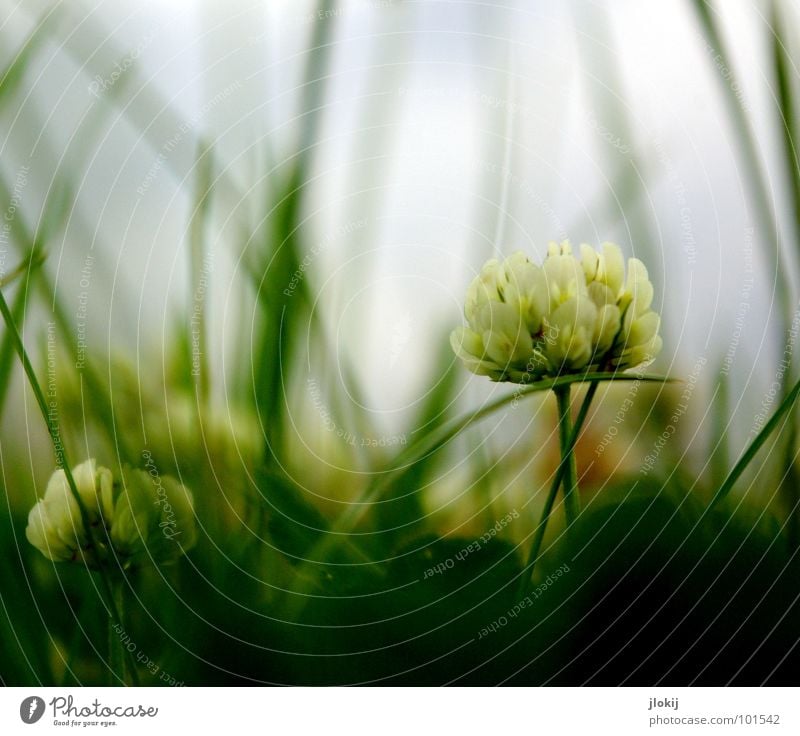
440 437
748 455
343 527
7 344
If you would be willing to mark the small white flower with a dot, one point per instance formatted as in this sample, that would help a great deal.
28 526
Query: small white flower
55 526
141 517
568 315
153 518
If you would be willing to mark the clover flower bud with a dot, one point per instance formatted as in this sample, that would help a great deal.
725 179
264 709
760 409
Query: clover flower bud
153 518
141 518
55 526
568 315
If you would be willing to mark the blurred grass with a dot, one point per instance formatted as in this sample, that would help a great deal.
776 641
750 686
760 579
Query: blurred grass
284 588
790 477
749 150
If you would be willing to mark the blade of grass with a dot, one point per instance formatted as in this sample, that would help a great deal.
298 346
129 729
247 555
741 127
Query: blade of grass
790 478
31 248
198 224
749 151
406 513
347 521
22 268
7 348
750 452
720 450
442 435
61 459
787 111
15 71
278 318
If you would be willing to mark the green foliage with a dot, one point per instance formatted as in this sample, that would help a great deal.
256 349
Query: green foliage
338 574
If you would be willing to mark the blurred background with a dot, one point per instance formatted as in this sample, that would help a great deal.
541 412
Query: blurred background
238 235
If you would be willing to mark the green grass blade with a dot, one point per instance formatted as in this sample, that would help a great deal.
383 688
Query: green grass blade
790 478
15 71
198 224
438 438
720 450
405 508
7 344
787 112
344 525
784 408
61 456
749 151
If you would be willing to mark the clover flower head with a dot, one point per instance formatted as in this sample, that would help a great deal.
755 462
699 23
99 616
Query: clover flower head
55 525
569 315
139 518
153 518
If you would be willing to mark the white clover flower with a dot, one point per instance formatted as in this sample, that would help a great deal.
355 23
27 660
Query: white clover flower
568 315
153 518
55 526
129 521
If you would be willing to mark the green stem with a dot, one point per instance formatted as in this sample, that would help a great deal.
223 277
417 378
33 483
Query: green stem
433 442
538 537
61 455
116 632
572 502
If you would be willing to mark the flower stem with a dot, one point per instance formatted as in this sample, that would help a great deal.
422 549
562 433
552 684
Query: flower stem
572 502
116 632
538 537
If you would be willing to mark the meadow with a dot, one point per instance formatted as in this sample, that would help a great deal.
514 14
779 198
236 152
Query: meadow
244 287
